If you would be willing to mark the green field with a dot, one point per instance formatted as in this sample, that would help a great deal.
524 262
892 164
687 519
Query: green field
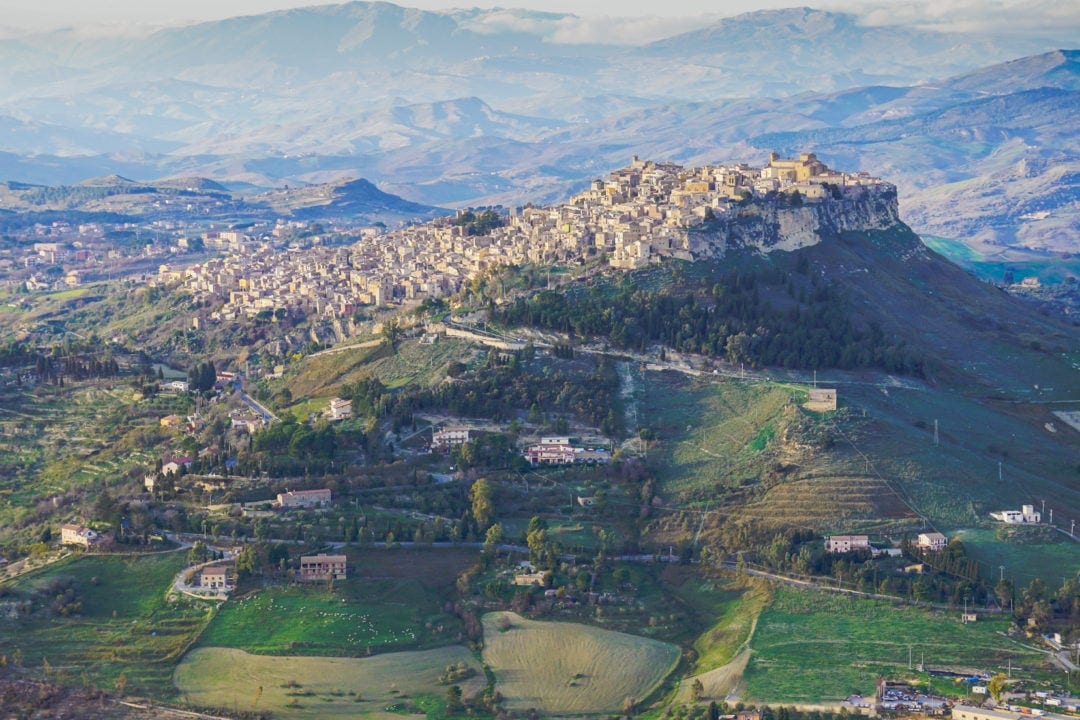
812 647
1053 562
714 433
319 687
568 668
391 601
125 626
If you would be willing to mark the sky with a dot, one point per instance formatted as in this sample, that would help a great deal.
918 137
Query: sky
1015 16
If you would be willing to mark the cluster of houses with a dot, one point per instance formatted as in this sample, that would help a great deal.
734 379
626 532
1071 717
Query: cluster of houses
313 568
638 215
560 451
926 542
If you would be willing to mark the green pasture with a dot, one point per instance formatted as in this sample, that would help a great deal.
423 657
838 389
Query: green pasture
392 600
711 432
812 647
1023 561
126 633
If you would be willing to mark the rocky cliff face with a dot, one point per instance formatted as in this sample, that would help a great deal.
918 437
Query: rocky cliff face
778 224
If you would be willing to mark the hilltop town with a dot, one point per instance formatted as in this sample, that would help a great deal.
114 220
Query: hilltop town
639 215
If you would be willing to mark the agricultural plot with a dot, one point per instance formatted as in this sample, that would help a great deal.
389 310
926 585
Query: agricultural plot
391 601
123 632
1053 561
713 433
812 647
571 669
388 685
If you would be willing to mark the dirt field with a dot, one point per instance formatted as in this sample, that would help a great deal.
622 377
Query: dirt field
318 687
570 668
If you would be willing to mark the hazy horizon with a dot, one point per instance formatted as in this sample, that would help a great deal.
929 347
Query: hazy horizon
642 19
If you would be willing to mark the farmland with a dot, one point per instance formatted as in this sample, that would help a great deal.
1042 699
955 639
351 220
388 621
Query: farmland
126 634
391 601
811 647
319 687
567 668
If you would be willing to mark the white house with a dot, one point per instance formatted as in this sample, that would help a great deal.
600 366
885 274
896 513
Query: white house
846 543
932 541
1028 514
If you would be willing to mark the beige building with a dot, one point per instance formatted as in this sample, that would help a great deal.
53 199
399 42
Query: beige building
214 577
303 499
78 535
319 567
339 409
846 543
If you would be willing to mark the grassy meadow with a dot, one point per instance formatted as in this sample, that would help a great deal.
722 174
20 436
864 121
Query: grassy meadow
126 632
811 647
571 669
392 600
389 685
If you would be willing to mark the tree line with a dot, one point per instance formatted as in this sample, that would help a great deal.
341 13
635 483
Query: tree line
763 317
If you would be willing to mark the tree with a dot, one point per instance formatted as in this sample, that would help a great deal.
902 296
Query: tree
697 690
483 509
493 537
996 686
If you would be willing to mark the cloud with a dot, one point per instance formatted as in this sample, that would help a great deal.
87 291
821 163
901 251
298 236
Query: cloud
577 30
1049 18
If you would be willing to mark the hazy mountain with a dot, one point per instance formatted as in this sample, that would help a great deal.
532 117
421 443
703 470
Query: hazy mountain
480 106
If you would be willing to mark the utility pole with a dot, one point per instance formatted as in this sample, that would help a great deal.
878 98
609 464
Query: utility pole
935 431
1051 516
1001 472
1001 578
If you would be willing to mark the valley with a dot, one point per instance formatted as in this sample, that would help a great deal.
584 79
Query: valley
362 361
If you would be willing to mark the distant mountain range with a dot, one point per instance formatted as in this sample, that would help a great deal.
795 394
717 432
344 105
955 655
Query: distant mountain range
478 107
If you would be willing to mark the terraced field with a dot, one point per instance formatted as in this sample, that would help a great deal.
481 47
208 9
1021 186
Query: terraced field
832 504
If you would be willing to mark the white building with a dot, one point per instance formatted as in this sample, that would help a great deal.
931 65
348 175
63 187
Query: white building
932 541
1027 514
443 439
846 543
339 409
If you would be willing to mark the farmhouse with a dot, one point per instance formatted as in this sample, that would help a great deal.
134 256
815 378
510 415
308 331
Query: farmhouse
303 499
78 535
319 567
339 409
214 577
846 543
1027 514
933 541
